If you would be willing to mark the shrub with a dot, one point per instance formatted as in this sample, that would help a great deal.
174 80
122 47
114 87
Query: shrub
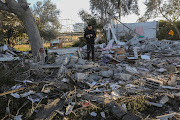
80 43
164 28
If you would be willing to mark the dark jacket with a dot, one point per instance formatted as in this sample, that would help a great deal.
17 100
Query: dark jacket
90 40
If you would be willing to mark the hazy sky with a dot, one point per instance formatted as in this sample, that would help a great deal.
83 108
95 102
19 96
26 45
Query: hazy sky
70 8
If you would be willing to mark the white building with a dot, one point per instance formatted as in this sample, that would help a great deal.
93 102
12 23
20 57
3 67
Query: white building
78 27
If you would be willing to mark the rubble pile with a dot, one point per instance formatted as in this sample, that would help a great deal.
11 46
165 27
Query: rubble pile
9 54
128 82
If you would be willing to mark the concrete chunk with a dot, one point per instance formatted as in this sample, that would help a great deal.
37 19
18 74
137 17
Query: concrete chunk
167 116
80 76
122 76
131 70
81 61
153 83
73 59
155 104
108 73
164 99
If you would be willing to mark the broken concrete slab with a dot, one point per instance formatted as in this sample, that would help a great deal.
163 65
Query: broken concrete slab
81 76
153 83
64 51
122 76
94 77
73 59
164 99
108 73
85 66
118 70
62 60
4 48
59 60
167 116
103 115
156 104
3 59
81 61
161 70
131 69
145 57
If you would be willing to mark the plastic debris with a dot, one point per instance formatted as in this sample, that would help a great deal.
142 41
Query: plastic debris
93 114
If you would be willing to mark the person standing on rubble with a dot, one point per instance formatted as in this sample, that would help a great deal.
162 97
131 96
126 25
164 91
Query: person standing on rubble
90 35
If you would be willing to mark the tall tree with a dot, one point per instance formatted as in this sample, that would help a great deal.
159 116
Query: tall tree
9 21
46 16
168 9
105 8
47 19
22 10
88 18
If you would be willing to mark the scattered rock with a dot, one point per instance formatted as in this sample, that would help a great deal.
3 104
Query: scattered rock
81 61
73 59
93 114
161 70
108 73
103 115
131 69
80 76
122 76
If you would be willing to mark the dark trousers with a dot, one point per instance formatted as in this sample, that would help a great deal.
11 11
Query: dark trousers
9 41
90 49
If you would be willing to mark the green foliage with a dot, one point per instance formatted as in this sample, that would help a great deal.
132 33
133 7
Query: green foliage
46 16
90 19
102 10
10 21
80 43
168 9
47 19
164 28
105 8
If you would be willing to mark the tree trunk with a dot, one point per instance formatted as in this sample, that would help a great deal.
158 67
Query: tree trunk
22 10
177 30
33 34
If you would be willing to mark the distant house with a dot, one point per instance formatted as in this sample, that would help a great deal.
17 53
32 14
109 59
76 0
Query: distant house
78 27
56 44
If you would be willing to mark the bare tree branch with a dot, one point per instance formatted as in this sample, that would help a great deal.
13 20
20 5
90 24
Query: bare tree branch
165 15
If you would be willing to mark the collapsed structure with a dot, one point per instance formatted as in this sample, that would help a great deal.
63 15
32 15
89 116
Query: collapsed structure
135 77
